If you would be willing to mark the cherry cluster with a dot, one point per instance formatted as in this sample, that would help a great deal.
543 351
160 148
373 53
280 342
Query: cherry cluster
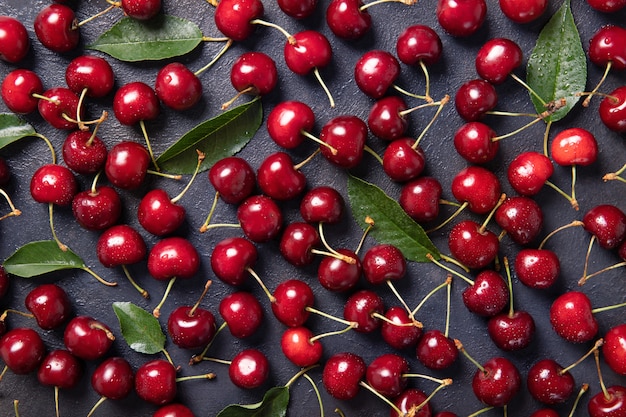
286 218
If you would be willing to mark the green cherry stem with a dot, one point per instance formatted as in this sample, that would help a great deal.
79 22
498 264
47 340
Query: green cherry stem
209 375
587 100
595 347
575 223
461 349
441 105
338 411
375 2
98 277
221 52
142 125
62 246
141 291
205 225
298 375
352 325
318 140
193 177
317 393
198 358
450 270
431 293
615 175
581 392
382 397
157 310
373 153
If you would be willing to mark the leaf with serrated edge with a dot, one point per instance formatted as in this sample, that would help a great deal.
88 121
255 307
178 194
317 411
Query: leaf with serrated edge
41 257
392 225
274 404
557 66
163 37
12 129
218 137
141 330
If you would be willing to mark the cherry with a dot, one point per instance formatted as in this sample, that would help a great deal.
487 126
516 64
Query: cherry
22 350
338 275
84 152
607 46
297 345
495 382
572 318
155 382
177 87
127 164
242 312
386 119
87 338
98 208
279 178
375 72
14 40
91 75
477 186
347 20
288 123
487 295
382 263
474 142
524 11
574 146
50 305
414 401
607 6
293 299
404 160
461 18
612 112
308 51
607 223
322 204
386 373
364 307
192 327
159 214
347 135
232 260
436 351
521 217
297 243
249 369
260 218
120 245
57 29
173 410
297 9
342 375
234 17
397 331
537 268
614 348
233 178
59 369
528 172
252 73
54 184
545 412
497 58
419 44
59 107
549 382
135 102
20 91
472 244
112 379
141 9
475 98
420 198
609 402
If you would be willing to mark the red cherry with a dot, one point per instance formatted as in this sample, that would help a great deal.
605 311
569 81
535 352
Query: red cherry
477 186
382 263
498 383
537 268
242 312
548 383
90 73
254 73
14 40
497 58
614 348
419 43
18 88
159 214
177 87
127 164
472 245
612 110
298 9
410 400
397 331
249 369
120 245
87 338
191 328
297 346
346 19
232 258
97 209
607 6
308 50
574 146
233 178
233 17
260 218
607 45
375 72
475 98
50 305
113 378
60 369
386 374
141 9
288 121
173 257
342 374
488 295
135 102
511 331
22 350
521 217
420 199
571 317
322 204
338 275
436 351
293 298
297 243
461 18
385 120
612 404
607 223
279 178
347 135
155 382
53 184
403 161
84 153
529 171
523 11
360 308
57 29
474 142
58 105
173 410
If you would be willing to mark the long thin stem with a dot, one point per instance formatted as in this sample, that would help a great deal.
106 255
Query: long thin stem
461 349
375 2
96 405
382 397
527 87
141 291
222 51
430 294
97 15
198 358
427 80
450 270
205 225
448 303
316 73
575 223
583 390
449 219
328 316
14 211
373 153
317 393
261 22
587 100
584 279
398 296
546 137
202 295
263 287
62 246
442 103
510 282
351 326
408 93
607 308
516 131
193 177
157 310
298 375
318 140
142 125
588 255
595 347
97 277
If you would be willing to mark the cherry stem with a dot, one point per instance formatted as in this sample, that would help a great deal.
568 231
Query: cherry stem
216 225
307 160
94 189
483 226
370 224
615 175
247 90
607 308
595 347
142 125
290 38
338 411
511 114
214 39
84 125
442 103
449 219
14 211
15 408
331 100
527 87
574 201
546 137
318 140
406 2
414 323
421 106
4 371
98 277
428 378
56 401
352 325
583 390
596 355
328 316
398 296
96 405
432 259
216 360
222 51
157 310
585 103
320 228
461 349
99 326
81 98
341 257
317 393
516 131
12 311
263 287
587 256
479 412
205 225
167 356
575 223
584 279
213 2
62 246
382 397
197 304
416 408
373 153
408 93
141 291
454 262
427 80
97 15
164 175
449 203
510 282
198 358
431 293
448 303
298 375
209 375
193 177
47 141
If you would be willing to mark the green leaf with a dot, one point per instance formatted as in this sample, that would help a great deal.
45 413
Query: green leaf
38 258
274 404
12 129
557 66
163 37
141 330
218 137
392 224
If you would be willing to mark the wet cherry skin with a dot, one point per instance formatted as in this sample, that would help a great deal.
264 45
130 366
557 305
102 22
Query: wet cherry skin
342 373
14 40
22 350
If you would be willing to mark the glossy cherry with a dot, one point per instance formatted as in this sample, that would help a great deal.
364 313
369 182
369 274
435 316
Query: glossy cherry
298 9
297 243
385 119
375 72
397 332
403 160
346 19
537 268
233 17
22 350
474 98
242 312
141 9
338 275
173 257
410 400
191 327
127 165
97 209
322 204
521 217
548 383
477 186
155 382
159 214
50 305
607 46
347 135
60 369
572 318
474 142
497 383
488 295
386 374
249 369
233 178
419 43
297 346
612 403
113 378
436 350
472 245
84 152
54 184
177 87
91 74
18 90
512 331
342 375
173 410
420 199
614 348
607 223
607 6
362 307
120 245
497 58
253 73
14 40
293 298
59 107
260 218
288 122
279 178
232 259
382 263
523 11
612 110
57 29
461 18
574 146
529 171
87 338
135 102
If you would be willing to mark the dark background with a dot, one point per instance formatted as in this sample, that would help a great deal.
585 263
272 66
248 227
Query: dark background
457 66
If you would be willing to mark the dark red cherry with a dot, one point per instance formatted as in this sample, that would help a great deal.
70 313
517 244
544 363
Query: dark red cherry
436 351
338 275
22 350
287 122
18 88
614 348
612 110
14 40
529 171
537 268
242 312
461 18
342 375
293 297
298 9
297 346
177 87
475 98
523 11
498 383
97 209
488 296
53 183
157 213
279 178
402 161
571 317
383 262
308 50
59 105
231 258
548 383
50 305
155 382
397 331
474 142
127 164
173 257
233 17
375 72
135 102
120 245
412 399
346 19
613 403
57 29
141 9
574 146
477 186
521 217
385 120
322 204
249 369
91 73
607 6
386 374
233 178
87 338
360 308
297 242
60 369
607 45
420 199
191 328
347 135
607 223
497 58
419 43
254 73
113 378
260 218
472 245
84 153
511 331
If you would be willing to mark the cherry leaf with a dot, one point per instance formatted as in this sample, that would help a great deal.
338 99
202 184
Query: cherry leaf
163 37
274 404
218 137
12 129
392 224
141 330
41 257
557 66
